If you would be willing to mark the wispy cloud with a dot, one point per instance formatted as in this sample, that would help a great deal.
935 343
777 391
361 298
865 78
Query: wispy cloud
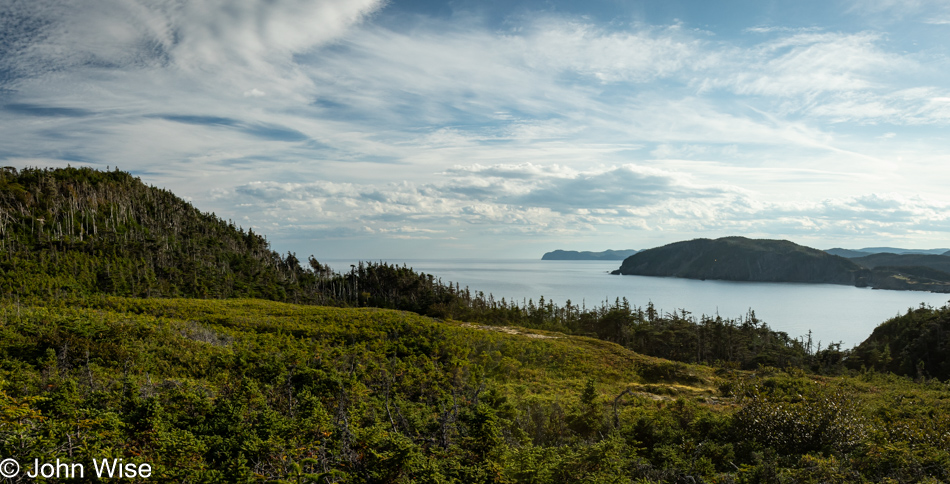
316 117
809 64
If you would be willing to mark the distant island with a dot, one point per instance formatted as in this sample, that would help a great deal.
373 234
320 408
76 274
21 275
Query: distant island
763 260
587 255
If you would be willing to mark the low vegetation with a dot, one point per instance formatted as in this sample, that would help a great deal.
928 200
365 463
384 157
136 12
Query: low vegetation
256 391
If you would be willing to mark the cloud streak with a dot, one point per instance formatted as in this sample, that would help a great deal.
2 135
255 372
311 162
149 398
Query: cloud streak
361 120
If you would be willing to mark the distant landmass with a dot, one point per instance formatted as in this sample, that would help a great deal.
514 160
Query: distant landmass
762 260
852 253
847 253
896 250
587 255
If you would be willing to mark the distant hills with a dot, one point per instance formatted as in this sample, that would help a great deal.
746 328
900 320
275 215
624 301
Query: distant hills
762 260
847 253
852 253
587 255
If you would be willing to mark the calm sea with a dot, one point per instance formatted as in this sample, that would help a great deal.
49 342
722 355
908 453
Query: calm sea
833 313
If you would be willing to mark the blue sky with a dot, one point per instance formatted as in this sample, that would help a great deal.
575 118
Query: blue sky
366 129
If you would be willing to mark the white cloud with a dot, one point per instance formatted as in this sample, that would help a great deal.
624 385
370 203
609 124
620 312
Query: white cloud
507 199
809 64
554 123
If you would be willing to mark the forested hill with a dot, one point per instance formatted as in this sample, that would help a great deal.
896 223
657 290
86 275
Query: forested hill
915 344
77 231
742 259
936 262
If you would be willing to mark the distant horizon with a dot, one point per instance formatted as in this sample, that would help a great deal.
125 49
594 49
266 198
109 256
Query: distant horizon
464 128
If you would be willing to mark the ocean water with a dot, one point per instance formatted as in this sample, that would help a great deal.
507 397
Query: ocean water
832 313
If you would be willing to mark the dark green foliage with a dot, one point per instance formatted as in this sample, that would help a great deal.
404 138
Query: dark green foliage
256 391
72 232
938 263
916 344
803 420
238 391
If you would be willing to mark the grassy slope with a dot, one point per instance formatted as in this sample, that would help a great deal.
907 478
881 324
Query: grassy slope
166 330
90 375
225 391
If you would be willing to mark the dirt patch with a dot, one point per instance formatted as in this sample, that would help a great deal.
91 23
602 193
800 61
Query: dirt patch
507 330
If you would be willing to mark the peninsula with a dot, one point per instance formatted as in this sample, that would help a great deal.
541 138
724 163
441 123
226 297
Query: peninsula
762 260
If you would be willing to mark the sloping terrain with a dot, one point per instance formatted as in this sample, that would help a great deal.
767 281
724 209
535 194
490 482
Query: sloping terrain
226 391
76 231
239 390
936 262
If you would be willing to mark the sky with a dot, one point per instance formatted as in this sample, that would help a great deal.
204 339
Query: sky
489 129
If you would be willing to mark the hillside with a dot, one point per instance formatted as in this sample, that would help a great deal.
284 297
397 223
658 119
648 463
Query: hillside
71 233
77 231
908 271
936 262
256 391
742 259
587 255
915 344
249 390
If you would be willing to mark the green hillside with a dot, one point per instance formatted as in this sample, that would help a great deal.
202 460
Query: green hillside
77 231
257 391
936 262
915 344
